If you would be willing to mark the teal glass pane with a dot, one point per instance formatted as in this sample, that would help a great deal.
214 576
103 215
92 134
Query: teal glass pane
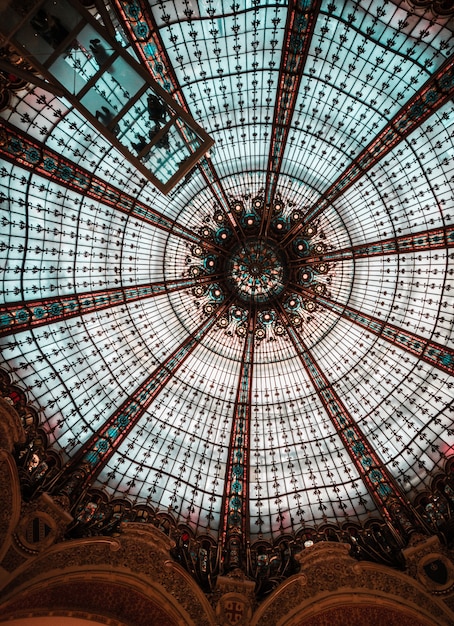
89 54
142 121
116 86
365 63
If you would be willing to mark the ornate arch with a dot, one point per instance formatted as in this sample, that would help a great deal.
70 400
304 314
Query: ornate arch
332 588
129 579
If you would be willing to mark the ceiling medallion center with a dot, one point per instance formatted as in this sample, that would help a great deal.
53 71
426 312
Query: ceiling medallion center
277 277
256 271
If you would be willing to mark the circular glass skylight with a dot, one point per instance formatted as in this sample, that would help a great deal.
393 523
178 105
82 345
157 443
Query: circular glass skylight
256 271
301 275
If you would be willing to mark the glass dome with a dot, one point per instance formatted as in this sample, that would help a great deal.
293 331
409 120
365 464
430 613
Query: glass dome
269 346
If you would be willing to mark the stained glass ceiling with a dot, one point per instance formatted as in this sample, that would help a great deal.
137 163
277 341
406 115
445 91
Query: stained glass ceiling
270 346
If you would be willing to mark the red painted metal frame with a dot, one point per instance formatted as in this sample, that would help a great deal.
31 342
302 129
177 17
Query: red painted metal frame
431 352
24 315
435 93
181 115
84 182
205 164
239 440
100 447
432 239
299 28
355 442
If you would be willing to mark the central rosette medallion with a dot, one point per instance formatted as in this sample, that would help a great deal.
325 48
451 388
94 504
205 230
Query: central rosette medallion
256 271
264 261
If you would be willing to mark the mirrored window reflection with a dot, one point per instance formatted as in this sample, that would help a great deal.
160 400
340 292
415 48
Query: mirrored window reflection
167 154
171 146
89 53
116 86
69 77
143 122
92 69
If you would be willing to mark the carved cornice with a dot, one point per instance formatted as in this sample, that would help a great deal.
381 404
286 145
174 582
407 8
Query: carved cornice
438 8
131 578
11 430
327 571
149 534
94 516
139 555
10 499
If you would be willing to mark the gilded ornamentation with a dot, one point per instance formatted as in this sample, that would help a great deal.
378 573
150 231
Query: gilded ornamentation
139 552
329 570
436 7
10 499
234 598
43 522
312 399
429 563
234 609
12 559
11 430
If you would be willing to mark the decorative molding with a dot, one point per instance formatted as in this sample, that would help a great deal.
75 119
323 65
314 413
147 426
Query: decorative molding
11 430
149 534
95 514
234 599
438 8
234 608
353 609
140 555
44 513
101 599
428 562
328 572
133 575
10 500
